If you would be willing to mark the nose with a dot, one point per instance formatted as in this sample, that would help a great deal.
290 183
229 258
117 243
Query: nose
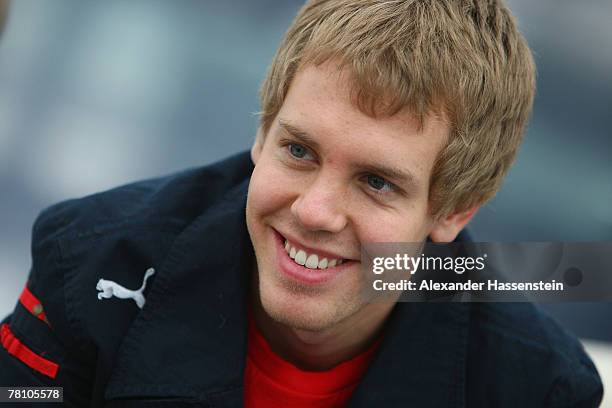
320 207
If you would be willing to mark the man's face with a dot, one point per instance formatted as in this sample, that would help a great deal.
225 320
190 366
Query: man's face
327 179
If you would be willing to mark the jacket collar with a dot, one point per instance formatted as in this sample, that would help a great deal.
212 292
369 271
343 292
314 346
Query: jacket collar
189 341
421 361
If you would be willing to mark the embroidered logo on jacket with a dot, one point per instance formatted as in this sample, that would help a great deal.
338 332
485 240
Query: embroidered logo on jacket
109 289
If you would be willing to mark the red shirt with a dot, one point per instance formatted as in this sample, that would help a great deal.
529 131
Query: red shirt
270 381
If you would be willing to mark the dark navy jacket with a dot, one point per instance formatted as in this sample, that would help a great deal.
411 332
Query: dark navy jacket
187 346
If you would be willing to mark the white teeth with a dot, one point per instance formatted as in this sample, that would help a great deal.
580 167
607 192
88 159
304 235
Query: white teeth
312 262
309 261
300 257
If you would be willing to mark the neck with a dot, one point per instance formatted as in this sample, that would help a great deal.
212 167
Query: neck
323 349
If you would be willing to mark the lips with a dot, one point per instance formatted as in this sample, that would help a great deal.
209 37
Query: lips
305 275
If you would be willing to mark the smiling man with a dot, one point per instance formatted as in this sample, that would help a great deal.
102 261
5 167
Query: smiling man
238 284
327 159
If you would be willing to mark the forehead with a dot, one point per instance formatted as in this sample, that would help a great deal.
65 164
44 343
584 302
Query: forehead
321 102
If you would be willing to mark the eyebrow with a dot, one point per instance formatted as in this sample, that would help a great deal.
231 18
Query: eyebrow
394 174
298 133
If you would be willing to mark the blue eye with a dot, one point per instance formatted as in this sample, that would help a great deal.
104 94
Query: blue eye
379 184
297 151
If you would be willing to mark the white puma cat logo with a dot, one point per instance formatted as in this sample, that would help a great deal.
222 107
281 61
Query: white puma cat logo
109 289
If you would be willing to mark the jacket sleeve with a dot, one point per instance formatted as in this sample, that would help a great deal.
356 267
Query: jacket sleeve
39 345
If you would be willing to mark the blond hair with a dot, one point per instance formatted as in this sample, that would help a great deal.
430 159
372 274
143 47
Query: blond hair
465 59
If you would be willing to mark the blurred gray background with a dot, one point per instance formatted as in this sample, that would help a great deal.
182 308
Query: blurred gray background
97 94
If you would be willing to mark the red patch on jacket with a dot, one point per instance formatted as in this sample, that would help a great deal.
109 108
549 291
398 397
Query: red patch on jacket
23 353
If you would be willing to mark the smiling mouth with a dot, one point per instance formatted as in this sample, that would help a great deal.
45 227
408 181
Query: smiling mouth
302 256
310 260
308 266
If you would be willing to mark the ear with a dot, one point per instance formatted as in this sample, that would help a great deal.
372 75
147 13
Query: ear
447 228
257 146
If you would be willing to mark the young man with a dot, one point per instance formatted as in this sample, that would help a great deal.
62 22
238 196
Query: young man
382 121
